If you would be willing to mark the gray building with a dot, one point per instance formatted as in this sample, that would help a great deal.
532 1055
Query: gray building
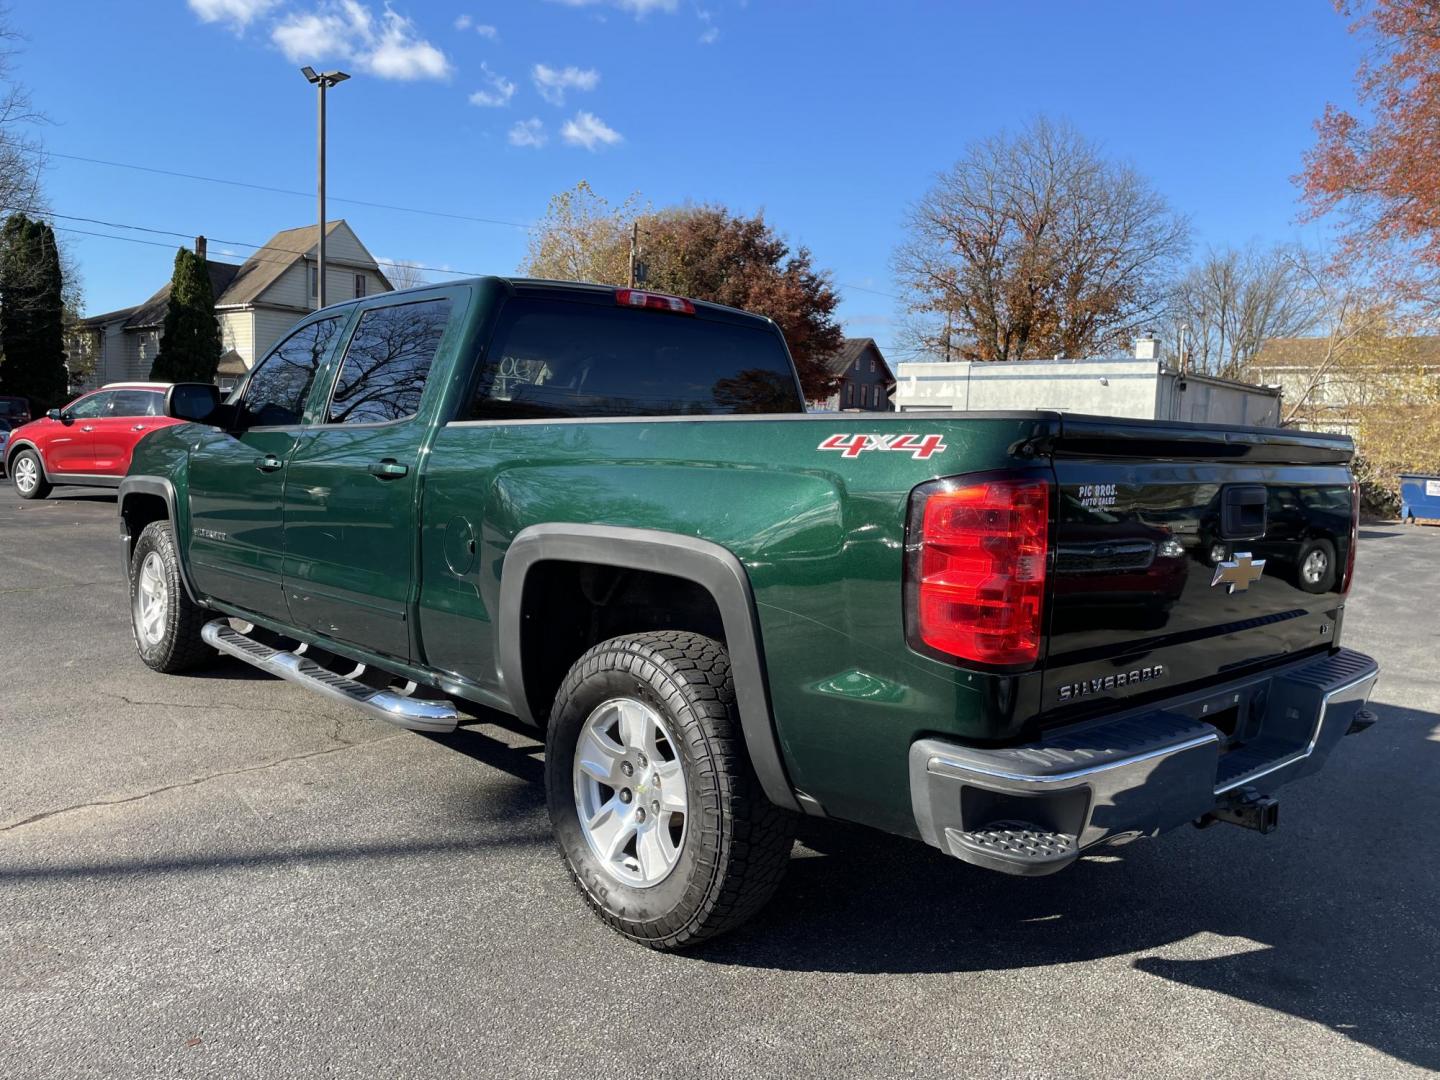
1141 387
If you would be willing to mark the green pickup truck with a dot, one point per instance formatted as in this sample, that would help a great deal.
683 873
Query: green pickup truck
607 513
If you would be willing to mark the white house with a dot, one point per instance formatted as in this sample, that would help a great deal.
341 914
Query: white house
255 302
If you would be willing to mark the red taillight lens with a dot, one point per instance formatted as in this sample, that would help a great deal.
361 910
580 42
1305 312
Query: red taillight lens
977 572
656 301
1354 537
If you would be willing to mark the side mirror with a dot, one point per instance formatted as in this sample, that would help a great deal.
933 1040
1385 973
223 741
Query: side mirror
53 414
192 401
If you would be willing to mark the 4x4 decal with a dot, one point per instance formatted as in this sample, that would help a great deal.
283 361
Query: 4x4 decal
919 447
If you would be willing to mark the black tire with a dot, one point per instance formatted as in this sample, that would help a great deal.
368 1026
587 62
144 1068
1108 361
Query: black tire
736 843
1324 551
178 645
41 486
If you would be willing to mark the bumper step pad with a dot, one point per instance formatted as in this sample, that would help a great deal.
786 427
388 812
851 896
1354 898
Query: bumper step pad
1015 847
417 714
1032 809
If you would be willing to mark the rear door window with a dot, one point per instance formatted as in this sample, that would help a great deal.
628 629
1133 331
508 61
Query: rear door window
387 362
276 393
136 403
554 358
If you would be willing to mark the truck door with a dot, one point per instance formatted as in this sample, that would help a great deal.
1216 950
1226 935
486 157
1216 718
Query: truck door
351 487
237 477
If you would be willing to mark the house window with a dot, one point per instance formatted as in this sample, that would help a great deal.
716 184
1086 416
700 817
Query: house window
849 393
872 365
314 275
359 286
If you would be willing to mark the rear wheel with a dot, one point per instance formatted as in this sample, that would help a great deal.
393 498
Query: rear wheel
165 621
655 805
28 477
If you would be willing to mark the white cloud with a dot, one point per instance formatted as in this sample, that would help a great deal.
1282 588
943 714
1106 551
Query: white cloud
485 30
347 30
638 8
238 13
711 33
588 130
500 92
529 133
552 82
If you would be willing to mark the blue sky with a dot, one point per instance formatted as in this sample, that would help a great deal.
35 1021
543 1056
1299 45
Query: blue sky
830 117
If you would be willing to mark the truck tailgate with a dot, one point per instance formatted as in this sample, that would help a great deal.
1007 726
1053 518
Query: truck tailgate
1185 552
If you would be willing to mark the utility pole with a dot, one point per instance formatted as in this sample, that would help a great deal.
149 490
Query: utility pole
323 80
634 249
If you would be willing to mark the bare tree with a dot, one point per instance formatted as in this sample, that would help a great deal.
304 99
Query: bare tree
403 273
21 153
1232 301
1034 245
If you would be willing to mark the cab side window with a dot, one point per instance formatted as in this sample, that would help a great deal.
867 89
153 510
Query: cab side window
387 362
275 395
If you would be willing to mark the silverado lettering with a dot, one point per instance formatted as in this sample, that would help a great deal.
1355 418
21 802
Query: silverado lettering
598 511
1101 683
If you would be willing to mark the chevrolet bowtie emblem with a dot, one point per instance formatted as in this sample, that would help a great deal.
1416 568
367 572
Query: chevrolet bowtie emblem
1238 573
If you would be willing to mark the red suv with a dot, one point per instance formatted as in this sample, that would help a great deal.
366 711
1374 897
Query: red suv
89 441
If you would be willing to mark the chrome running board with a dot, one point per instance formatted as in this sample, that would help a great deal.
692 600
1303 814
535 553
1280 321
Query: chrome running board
416 714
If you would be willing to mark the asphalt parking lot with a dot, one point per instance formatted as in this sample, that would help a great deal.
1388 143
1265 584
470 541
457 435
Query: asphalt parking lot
222 875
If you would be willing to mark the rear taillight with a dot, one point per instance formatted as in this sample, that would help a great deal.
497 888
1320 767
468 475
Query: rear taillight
1354 537
975 584
653 300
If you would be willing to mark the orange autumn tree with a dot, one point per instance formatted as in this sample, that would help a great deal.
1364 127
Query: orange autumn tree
1381 173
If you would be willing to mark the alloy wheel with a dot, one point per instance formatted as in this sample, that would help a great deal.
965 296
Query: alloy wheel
152 597
26 475
630 791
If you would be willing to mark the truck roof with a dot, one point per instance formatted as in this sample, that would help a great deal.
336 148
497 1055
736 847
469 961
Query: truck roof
572 290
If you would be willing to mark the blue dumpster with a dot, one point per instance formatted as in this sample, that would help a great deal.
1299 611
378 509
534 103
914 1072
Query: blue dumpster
1419 496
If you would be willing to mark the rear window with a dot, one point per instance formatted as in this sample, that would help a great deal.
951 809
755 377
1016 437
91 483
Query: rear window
551 358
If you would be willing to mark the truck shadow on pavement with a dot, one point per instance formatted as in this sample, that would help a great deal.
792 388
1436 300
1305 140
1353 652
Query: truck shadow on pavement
1334 920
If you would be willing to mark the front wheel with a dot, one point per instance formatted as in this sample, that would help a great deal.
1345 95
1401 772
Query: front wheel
654 803
28 477
165 621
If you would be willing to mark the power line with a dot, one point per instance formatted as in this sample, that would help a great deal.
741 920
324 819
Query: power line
285 191
259 248
333 198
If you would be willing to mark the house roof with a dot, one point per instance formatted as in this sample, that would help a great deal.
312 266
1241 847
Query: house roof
232 285
853 348
94 322
264 267
1308 352
152 311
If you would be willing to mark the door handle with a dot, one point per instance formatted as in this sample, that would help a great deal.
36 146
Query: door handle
388 469
138 427
268 463
87 427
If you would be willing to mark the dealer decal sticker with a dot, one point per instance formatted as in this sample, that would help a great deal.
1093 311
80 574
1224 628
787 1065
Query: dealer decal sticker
918 447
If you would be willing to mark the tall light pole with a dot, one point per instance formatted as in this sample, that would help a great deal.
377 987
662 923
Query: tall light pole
324 80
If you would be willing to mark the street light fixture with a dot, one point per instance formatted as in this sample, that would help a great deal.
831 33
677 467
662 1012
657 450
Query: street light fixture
324 80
